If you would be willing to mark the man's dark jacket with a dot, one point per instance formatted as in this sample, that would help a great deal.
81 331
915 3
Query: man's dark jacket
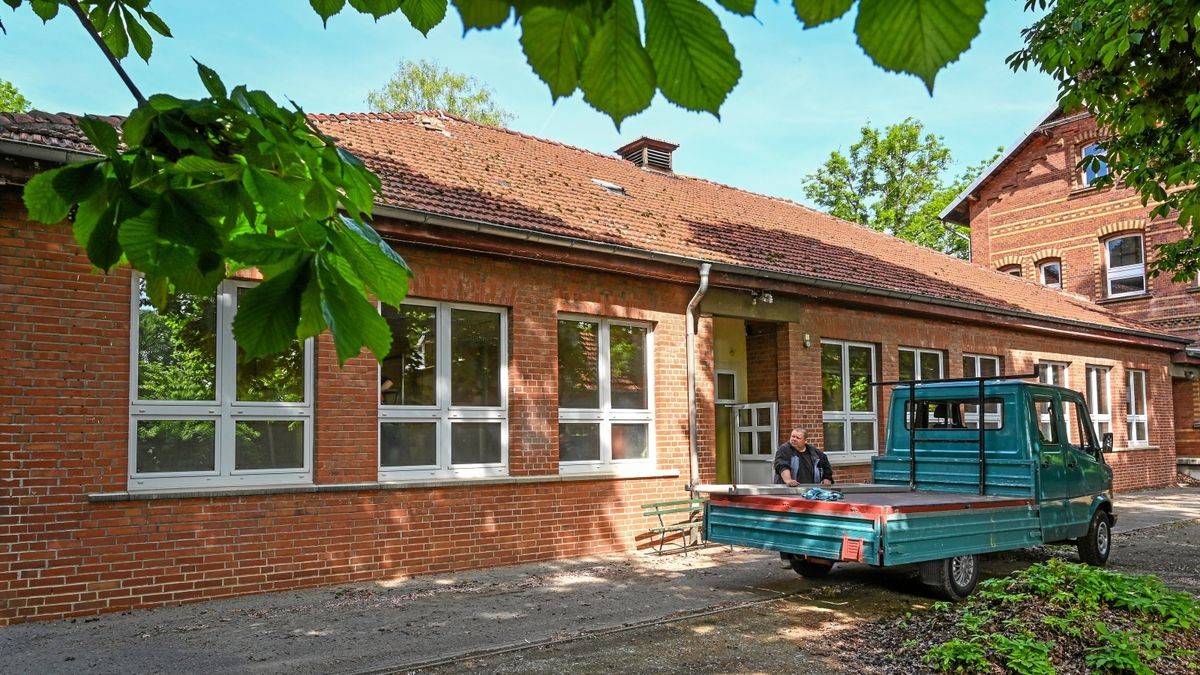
804 465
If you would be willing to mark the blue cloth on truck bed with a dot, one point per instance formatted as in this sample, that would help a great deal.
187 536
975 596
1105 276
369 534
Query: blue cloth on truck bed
822 494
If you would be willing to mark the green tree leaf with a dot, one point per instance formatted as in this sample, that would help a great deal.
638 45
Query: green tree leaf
617 77
115 37
45 9
739 7
917 36
382 270
555 41
376 8
424 15
101 134
327 8
212 81
482 14
813 13
695 64
42 199
268 313
143 44
353 321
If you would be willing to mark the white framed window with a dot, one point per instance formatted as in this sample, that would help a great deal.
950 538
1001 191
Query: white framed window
1093 168
1050 273
1136 420
605 395
203 417
849 414
1055 373
920 364
445 413
1125 266
1011 270
726 386
1099 398
981 365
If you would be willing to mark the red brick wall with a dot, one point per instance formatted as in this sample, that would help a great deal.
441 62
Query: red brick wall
64 409
1036 207
761 362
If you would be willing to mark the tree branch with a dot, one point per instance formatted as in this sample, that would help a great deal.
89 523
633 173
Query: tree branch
91 30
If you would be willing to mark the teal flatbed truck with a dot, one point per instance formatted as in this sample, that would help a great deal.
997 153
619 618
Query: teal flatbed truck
972 466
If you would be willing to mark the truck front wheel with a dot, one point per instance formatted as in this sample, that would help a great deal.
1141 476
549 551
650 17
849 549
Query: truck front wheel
955 578
1095 546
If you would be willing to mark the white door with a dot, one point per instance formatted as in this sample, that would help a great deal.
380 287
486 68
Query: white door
754 443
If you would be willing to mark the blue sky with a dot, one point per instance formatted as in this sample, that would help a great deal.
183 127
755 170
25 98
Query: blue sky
802 94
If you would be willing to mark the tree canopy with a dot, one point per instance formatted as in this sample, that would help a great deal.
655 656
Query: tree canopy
1132 64
11 99
425 85
893 180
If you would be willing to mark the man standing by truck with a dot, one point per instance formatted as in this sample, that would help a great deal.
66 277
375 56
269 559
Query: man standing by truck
798 462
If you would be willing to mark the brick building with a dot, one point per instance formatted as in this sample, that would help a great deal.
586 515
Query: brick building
1036 215
537 393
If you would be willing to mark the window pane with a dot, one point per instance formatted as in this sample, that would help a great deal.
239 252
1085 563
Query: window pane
262 444
1140 432
832 394
745 443
744 419
578 442
412 363
408 444
764 443
627 366
764 417
969 367
474 358
1137 392
726 387
578 364
862 436
1134 284
475 443
988 367
1052 275
835 437
629 441
176 445
861 367
177 349
1124 251
931 366
908 367
277 378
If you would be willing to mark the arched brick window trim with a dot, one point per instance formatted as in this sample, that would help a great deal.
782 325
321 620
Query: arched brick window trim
1045 254
1137 225
1008 261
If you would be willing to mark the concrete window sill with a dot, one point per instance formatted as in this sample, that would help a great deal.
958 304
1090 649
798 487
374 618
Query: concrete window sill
126 496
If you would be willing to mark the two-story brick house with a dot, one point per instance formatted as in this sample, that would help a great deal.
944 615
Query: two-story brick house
585 333
1035 214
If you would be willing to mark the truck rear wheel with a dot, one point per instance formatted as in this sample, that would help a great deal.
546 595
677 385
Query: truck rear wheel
810 569
1095 546
955 578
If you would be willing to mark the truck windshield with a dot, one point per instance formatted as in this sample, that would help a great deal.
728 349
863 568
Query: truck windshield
954 414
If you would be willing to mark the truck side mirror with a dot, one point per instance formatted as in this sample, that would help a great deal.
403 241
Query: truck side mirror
1106 441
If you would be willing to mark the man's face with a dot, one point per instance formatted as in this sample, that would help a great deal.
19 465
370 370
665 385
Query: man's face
798 439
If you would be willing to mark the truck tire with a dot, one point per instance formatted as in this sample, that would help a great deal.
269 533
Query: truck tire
957 577
1095 546
810 569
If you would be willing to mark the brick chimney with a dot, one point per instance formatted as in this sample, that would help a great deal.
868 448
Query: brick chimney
649 153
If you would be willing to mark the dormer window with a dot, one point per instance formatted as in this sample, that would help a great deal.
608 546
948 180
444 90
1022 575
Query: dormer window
1126 267
1050 273
1013 270
1095 164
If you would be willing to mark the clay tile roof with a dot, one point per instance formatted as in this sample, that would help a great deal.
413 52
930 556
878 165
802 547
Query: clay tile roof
443 165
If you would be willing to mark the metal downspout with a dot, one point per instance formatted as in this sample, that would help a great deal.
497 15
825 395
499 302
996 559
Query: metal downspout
693 432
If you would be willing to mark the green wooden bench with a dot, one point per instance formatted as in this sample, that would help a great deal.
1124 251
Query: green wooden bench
685 516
